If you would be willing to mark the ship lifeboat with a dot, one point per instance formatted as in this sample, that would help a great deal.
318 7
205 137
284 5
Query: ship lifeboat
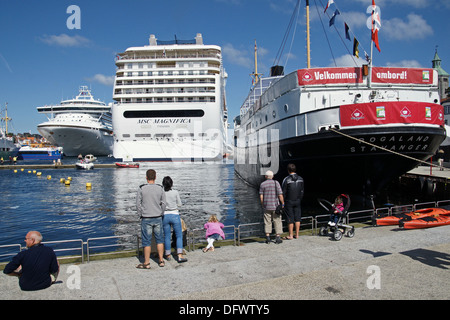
427 222
414 215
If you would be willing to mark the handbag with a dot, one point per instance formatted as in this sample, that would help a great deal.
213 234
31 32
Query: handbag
279 209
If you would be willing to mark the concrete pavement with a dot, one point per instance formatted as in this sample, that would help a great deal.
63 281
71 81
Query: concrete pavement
381 263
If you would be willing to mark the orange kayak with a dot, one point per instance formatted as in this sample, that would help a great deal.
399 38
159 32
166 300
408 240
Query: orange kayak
427 222
414 215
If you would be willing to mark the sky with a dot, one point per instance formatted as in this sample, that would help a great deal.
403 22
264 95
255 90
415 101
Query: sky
48 50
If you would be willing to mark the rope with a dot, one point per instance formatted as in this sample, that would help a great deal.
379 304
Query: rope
384 149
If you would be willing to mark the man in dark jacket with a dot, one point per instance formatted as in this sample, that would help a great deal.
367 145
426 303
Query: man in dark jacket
37 267
293 189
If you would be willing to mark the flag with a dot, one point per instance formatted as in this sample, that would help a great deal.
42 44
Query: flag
376 24
328 4
334 16
347 34
375 40
355 48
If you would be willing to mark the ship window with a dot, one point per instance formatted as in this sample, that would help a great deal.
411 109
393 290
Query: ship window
164 114
274 114
286 108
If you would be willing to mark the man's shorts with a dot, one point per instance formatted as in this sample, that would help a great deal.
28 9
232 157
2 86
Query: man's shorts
151 226
293 211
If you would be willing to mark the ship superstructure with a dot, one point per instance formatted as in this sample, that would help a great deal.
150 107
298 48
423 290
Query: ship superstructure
81 125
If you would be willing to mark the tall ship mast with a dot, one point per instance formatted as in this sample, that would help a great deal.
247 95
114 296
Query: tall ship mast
170 102
349 129
81 125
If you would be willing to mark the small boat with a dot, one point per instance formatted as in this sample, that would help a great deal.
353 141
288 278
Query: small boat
414 215
427 222
84 165
127 164
90 158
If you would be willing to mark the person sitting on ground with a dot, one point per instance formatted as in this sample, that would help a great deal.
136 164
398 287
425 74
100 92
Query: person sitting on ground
37 267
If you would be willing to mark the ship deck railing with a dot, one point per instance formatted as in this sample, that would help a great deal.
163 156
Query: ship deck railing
130 245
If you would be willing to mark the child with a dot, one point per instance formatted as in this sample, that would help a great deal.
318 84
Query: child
213 232
338 208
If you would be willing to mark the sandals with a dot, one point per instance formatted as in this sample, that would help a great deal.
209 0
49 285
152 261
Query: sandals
147 265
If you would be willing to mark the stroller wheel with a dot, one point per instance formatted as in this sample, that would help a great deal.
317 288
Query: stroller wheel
323 231
337 235
351 232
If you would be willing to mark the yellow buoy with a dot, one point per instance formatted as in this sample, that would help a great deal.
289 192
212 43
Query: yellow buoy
62 180
15 171
39 174
69 178
49 177
29 171
20 170
34 171
67 182
88 185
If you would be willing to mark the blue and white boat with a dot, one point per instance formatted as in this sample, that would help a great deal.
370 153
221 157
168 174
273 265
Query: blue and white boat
43 153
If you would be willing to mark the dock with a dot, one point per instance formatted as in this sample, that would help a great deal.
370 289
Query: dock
378 263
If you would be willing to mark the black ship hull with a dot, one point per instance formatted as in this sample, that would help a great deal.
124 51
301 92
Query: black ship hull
348 162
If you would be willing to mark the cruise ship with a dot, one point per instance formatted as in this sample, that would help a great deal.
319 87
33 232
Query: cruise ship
170 102
81 125
349 129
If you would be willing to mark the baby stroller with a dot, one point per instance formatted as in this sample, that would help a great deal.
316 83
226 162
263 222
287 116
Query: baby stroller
341 226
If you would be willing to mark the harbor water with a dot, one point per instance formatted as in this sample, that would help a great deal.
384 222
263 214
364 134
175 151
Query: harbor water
61 212
66 212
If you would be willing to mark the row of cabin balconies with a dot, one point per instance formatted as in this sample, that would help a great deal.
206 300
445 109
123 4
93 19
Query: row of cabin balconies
165 99
157 82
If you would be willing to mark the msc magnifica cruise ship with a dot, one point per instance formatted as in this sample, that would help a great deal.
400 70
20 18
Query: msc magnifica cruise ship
170 102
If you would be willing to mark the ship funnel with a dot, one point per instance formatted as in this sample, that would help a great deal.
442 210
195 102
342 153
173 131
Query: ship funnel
276 71
199 39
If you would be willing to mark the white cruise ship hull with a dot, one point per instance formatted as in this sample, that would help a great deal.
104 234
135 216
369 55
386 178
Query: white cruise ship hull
77 140
200 138
170 102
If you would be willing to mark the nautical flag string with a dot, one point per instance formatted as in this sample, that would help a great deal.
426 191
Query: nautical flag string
355 48
347 34
334 16
328 5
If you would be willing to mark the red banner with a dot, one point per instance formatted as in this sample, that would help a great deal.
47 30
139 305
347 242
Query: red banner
391 112
402 75
329 75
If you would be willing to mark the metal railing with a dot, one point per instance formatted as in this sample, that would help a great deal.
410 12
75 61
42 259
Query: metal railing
196 237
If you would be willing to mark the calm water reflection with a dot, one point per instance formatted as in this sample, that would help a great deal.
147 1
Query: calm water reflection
62 212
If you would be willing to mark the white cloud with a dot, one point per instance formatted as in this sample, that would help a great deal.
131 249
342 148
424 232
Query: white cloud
236 56
348 61
405 63
414 28
64 40
101 78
